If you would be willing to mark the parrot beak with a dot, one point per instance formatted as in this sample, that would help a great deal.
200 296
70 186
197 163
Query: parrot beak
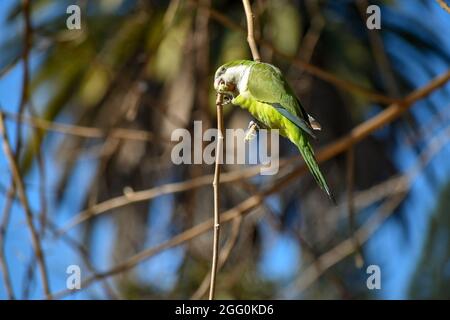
230 87
221 86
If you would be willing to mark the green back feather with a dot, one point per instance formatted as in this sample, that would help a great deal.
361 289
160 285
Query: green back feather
267 84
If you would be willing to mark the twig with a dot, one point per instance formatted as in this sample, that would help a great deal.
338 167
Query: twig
388 115
350 205
309 43
216 187
145 195
444 5
357 134
24 200
26 71
3 229
84 253
314 32
379 53
85 132
250 30
224 255
202 60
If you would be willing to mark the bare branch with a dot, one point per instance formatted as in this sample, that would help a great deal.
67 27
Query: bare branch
350 204
250 30
224 255
444 5
145 195
80 131
379 54
216 187
18 182
3 229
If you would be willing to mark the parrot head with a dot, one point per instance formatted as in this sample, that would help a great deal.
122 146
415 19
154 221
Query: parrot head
232 77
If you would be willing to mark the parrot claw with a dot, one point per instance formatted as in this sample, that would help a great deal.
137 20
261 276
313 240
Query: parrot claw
250 134
227 99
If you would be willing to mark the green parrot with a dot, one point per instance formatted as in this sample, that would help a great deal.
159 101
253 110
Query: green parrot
261 89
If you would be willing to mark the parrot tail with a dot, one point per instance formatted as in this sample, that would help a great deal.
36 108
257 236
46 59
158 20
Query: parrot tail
307 153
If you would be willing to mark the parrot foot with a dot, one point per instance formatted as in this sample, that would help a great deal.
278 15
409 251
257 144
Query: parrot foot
227 99
250 134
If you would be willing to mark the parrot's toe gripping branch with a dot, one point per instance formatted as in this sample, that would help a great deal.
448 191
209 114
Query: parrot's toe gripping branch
227 99
250 134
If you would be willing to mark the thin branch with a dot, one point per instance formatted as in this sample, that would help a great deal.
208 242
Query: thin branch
379 53
84 253
350 205
18 182
145 195
224 255
444 5
3 229
314 32
216 187
80 131
302 65
309 43
383 118
26 70
360 132
250 30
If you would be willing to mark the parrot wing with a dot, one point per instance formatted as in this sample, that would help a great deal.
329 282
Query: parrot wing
294 119
267 84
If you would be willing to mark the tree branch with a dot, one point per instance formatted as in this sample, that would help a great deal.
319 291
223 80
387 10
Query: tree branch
250 30
18 182
80 131
145 195
3 229
216 187
444 5
223 257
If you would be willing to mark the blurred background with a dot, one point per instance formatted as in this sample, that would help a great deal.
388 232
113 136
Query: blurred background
89 115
